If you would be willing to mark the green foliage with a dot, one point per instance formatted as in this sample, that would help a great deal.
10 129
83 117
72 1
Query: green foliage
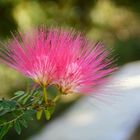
20 120
7 106
20 109
4 129
19 114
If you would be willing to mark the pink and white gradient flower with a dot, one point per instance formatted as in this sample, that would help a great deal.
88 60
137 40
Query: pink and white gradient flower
63 58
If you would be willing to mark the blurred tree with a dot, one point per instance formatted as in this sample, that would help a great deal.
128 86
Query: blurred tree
7 22
132 4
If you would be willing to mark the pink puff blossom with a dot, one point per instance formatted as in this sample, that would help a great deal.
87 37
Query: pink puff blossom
64 58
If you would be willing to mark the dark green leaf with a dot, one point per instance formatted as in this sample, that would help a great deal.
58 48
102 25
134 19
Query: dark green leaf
24 122
17 127
3 112
7 106
1 121
4 130
12 104
28 114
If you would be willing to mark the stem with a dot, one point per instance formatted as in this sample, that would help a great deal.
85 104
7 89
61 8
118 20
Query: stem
57 97
45 95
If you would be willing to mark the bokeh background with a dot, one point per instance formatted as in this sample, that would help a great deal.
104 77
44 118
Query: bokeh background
115 22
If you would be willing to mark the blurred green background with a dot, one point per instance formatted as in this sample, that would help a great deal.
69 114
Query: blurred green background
115 22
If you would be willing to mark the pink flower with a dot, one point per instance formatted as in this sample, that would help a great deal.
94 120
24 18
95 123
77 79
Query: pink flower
63 58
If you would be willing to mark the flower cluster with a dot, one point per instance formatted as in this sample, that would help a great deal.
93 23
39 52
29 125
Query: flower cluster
62 58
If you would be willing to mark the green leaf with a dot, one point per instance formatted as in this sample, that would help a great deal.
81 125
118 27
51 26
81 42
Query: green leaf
39 114
28 114
36 93
12 104
1 108
22 98
1 121
3 112
23 122
7 106
17 127
4 130
19 93
26 98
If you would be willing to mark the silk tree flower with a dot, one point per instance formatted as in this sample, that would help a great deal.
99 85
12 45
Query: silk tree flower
30 54
59 57
81 65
